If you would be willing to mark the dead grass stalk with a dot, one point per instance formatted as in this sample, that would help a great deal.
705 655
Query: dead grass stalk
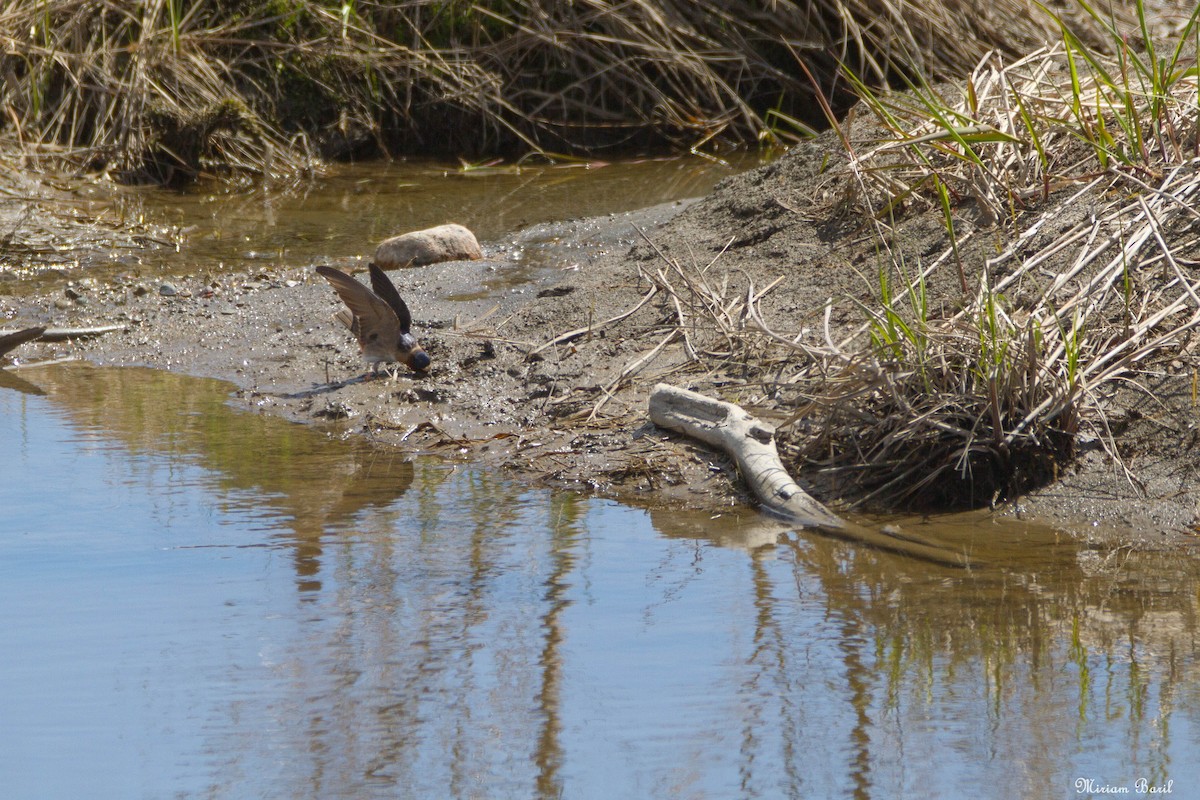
159 90
1093 179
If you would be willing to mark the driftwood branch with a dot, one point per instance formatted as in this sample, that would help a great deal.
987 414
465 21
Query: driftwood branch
751 443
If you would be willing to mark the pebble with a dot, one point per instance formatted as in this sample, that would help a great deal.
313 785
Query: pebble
168 290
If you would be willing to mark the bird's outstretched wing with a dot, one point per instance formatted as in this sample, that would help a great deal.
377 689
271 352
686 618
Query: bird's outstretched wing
386 290
377 320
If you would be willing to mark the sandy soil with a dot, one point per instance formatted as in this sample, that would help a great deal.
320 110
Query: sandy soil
573 413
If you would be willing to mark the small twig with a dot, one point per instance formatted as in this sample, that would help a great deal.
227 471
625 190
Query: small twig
571 336
646 358
47 363
65 334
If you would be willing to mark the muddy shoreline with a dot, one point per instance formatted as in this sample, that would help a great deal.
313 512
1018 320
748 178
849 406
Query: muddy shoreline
509 391
271 334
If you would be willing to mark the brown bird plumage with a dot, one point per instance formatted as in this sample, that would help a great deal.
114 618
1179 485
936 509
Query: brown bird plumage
378 318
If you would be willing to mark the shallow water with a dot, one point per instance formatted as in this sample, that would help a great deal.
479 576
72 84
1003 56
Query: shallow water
204 601
347 211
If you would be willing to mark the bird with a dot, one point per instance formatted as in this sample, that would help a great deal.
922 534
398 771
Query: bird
379 319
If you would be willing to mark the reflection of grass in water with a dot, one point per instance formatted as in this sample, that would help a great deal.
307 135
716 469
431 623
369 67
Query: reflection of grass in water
1028 648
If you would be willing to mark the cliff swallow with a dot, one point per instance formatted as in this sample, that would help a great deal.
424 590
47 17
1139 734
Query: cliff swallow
378 318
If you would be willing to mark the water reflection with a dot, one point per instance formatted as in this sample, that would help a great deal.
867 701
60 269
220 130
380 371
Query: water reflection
201 601
16 383
918 680
299 482
349 210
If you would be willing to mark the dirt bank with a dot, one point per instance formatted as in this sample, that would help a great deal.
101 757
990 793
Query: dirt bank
513 387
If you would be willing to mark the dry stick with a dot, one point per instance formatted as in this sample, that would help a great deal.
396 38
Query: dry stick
707 297
661 280
1180 199
813 353
64 334
1107 274
1155 227
475 322
47 363
575 334
687 340
717 257
646 358
1136 336
488 335
1153 345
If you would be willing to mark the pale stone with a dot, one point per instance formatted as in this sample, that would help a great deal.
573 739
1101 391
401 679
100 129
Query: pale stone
442 243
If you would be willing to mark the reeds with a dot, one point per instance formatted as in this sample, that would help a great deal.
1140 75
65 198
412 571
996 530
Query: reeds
1066 183
1088 166
159 89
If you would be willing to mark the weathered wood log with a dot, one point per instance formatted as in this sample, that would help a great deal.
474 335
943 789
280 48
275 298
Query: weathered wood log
751 443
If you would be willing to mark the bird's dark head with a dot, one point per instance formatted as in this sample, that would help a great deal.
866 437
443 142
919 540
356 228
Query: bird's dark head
411 354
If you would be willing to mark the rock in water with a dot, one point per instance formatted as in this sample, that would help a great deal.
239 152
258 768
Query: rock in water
443 243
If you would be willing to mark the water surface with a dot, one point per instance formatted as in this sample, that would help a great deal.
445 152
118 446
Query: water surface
350 208
203 601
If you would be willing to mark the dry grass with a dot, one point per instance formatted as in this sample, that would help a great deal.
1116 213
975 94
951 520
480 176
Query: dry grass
160 89
978 405
974 375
